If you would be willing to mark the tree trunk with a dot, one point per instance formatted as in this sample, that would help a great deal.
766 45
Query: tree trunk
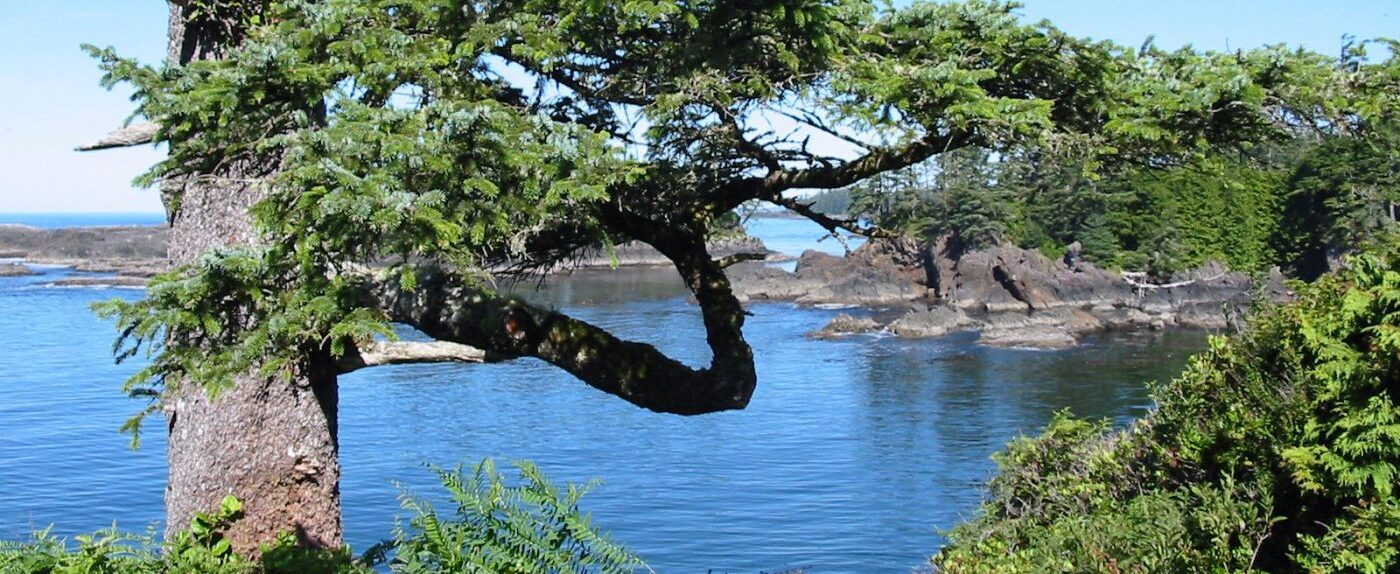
269 441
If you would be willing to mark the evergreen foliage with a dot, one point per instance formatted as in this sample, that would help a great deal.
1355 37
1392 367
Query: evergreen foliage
1158 219
1278 450
1319 189
1298 204
831 202
391 132
1217 208
955 193
1341 195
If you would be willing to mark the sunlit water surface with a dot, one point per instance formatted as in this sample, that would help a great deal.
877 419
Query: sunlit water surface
851 456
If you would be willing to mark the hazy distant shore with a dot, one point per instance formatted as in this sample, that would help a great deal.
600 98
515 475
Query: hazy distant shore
137 252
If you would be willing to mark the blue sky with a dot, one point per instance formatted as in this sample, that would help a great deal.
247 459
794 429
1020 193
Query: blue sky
50 100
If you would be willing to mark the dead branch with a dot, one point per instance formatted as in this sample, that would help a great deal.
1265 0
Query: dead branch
407 352
132 135
1136 279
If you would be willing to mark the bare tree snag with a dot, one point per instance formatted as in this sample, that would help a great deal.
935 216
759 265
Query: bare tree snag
132 135
381 353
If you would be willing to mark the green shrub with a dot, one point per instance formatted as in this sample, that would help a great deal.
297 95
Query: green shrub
1276 451
496 528
201 548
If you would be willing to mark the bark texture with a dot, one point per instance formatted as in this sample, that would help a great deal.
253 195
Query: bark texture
270 441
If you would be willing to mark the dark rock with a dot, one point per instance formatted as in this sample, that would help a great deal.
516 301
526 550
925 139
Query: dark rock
1052 329
1036 337
757 282
134 249
15 270
845 324
933 321
1014 297
1008 278
1118 318
142 242
130 268
638 253
876 274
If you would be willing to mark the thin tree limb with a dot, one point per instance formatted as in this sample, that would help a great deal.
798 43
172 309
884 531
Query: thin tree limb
833 224
731 260
770 187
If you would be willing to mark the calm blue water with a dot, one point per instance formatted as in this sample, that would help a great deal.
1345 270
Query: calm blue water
793 236
851 456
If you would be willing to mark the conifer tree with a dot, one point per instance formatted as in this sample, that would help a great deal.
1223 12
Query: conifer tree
313 143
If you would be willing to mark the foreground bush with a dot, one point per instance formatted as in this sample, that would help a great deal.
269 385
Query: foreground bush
1276 451
495 527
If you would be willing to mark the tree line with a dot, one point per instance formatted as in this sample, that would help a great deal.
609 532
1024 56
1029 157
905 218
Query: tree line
1297 203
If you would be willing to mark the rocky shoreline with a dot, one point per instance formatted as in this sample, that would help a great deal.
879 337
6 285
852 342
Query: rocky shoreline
637 254
130 255
15 270
128 251
1013 297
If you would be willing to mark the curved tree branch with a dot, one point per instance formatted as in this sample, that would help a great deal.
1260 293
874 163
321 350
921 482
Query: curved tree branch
449 308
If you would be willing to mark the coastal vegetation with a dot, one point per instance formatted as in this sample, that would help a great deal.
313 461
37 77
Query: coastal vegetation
1297 203
497 525
1278 450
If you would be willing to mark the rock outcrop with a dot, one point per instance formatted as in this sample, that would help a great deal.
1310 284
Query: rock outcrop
877 274
128 250
15 270
1014 297
637 253
931 321
845 324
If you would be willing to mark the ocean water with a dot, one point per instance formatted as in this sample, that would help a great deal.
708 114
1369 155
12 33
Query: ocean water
51 220
793 235
851 457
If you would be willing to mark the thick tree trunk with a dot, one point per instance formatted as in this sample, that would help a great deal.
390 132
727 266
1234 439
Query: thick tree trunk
269 441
